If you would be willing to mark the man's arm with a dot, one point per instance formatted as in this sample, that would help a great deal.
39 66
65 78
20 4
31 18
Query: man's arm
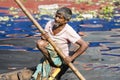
81 49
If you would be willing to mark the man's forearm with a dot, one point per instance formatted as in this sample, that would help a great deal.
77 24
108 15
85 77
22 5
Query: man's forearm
80 50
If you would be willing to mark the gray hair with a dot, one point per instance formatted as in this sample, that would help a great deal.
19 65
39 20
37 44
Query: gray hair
66 12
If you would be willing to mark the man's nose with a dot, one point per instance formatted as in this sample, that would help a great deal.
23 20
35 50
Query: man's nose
57 18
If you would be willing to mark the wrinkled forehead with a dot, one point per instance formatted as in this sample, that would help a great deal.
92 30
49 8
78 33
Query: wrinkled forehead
61 15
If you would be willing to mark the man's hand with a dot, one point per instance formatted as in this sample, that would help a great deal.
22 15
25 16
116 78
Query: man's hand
44 36
68 59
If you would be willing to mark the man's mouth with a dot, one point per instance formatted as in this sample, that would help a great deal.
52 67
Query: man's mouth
56 24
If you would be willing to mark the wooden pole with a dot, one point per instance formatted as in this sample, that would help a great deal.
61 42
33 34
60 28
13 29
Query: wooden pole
78 74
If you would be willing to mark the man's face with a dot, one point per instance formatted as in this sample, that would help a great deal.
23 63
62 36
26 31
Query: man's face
59 20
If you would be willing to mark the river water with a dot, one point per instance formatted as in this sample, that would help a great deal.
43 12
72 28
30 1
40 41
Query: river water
100 61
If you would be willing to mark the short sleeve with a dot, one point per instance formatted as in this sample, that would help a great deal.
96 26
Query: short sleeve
72 35
47 26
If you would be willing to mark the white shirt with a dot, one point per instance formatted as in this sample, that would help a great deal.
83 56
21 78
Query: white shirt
63 38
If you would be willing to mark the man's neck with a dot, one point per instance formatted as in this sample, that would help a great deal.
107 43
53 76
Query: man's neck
57 29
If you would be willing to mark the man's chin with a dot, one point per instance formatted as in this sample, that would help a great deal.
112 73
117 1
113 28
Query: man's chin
56 25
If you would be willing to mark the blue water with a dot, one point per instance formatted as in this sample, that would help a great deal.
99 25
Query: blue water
25 27
22 29
17 28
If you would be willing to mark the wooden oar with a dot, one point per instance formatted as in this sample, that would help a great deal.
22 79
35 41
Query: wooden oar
75 70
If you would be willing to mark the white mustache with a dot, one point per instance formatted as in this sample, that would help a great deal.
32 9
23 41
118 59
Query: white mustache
56 25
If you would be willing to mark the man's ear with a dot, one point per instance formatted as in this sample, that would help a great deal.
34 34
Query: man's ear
66 20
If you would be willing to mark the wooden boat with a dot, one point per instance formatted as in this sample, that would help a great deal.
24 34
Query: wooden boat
23 74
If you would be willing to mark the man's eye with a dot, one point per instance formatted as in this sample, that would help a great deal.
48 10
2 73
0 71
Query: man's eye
60 17
56 16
